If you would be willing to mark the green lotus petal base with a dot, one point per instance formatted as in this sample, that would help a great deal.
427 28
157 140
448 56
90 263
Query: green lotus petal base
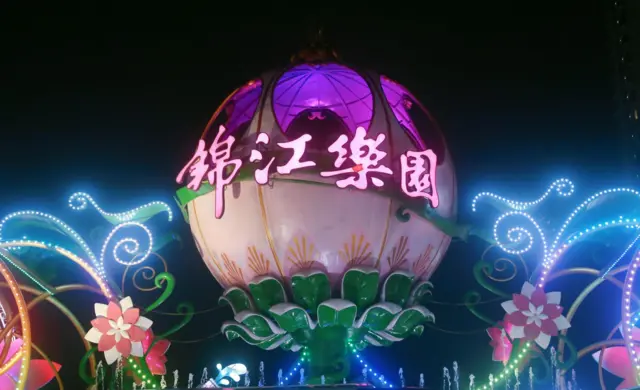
367 310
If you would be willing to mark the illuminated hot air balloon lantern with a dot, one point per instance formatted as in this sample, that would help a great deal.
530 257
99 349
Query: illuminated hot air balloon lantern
321 198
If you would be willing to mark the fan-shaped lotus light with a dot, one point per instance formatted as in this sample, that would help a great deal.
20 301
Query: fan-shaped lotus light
356 260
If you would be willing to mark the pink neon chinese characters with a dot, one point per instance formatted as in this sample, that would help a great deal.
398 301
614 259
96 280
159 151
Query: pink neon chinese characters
298 145
418 175
196 168
261 175
295 162
219 174
366 156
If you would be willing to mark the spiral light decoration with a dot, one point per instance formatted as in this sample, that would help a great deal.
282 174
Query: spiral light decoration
518 234
128 245
551 254
126 251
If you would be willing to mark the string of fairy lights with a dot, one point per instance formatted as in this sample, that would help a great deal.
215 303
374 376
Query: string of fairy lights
628 319
551 253
294 372
563 187
382 381
295 369
78 201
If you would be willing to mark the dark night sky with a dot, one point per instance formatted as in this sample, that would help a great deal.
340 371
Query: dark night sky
111 100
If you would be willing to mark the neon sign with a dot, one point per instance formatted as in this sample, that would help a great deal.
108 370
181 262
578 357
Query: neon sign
358 162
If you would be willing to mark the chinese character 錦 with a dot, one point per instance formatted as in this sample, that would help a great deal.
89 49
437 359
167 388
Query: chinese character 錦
365 155
220 172
196 168
418 175
220 153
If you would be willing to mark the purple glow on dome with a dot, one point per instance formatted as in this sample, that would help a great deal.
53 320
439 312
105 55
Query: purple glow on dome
414 118
330 86
237 111
401 101
241 107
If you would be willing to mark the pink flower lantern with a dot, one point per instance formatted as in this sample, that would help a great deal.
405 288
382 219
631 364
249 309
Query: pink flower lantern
40 371
119 330
535 316
616 360
500 343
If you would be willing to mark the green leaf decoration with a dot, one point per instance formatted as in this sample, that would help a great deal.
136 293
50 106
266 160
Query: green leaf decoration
140 214
258 324
291 317
266 292
302 336
183 210
420 290
360 285
310 288
265 319
167 283
360 345
378 316
233 330
396 287
238 299
417 331
337 312
274 342
377 340
184 310
287 345
291 345
402 214
164 240
405 321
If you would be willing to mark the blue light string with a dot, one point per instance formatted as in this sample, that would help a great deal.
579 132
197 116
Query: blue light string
630 247
369 369
296 367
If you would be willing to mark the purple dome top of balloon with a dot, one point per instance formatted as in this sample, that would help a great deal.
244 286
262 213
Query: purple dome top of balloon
329 86
325 99
240 109
307 89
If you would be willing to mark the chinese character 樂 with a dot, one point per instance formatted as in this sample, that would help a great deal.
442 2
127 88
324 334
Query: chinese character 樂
366 156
